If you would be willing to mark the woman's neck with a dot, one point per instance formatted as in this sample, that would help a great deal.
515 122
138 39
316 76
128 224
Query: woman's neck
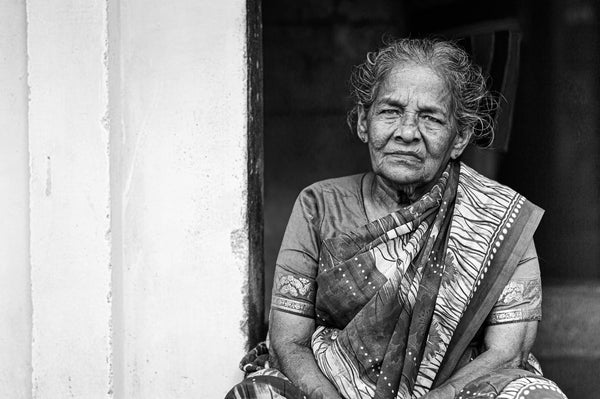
393 195
381 198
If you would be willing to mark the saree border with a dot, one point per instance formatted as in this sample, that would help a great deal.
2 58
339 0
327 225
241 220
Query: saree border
488 223
490 287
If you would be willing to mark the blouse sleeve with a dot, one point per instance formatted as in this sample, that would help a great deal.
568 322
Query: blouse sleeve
294 287
521 299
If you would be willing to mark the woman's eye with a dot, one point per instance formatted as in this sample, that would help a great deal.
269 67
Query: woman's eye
432 119
390 111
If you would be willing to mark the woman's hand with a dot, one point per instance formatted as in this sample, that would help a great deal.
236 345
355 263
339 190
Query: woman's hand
443 392
290 344
321 393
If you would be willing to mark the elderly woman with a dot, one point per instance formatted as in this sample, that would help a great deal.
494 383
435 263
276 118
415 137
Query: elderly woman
418 279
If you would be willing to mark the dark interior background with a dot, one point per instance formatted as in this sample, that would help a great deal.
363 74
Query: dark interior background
310 48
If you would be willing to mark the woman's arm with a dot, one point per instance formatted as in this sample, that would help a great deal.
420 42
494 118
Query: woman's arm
290 344
506 346
292 309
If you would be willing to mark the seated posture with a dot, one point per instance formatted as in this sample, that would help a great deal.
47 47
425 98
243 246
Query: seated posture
419 278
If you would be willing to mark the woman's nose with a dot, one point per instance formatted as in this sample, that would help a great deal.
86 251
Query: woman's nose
408 128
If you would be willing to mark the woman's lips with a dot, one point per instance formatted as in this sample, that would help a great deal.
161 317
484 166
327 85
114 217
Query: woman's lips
406 155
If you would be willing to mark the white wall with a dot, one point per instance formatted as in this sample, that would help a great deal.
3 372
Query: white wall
69 199
124 260
183 192
15 303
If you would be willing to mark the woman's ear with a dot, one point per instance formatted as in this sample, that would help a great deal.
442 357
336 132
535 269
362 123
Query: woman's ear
362 124
461 140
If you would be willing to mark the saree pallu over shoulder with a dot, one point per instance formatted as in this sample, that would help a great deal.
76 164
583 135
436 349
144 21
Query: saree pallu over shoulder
400 299
377 286
492 228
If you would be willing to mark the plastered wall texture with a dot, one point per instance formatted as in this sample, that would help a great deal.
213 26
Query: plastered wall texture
15 298
69 200
183 230
125 250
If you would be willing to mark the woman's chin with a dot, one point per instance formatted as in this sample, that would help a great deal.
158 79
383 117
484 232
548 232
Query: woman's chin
404 176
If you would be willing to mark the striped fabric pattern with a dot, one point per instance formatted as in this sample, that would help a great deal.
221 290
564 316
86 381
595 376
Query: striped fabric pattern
483 215
482 218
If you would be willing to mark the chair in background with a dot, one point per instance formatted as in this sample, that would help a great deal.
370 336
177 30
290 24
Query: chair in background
495 47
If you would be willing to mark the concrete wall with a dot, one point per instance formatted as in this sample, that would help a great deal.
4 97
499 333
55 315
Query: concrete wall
15 297
69 200
124 242
180 181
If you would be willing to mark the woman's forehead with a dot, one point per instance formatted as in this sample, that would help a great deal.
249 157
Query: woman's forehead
414 82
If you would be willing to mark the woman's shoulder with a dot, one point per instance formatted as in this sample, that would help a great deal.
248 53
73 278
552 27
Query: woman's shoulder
334 204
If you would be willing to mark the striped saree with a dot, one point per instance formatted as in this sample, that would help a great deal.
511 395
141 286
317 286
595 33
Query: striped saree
399 301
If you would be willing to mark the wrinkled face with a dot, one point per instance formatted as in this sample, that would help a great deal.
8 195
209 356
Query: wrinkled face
409 128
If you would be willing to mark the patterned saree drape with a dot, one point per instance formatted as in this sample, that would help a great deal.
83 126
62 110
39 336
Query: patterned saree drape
390 271
392 294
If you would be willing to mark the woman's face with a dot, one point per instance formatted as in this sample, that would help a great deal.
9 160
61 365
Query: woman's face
409 128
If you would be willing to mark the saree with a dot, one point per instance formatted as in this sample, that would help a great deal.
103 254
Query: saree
398 301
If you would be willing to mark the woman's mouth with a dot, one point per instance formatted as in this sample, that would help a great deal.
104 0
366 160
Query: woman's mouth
408 156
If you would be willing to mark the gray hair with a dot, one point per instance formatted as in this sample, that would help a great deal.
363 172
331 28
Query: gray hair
473 105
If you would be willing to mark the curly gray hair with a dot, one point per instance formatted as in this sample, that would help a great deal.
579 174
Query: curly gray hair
473 105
